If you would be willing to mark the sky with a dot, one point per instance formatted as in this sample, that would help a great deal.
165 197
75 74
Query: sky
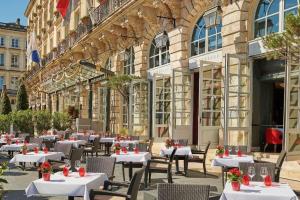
10 10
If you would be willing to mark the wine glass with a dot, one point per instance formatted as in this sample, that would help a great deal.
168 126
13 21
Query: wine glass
77 164
236 149
67 163
229 149
251 172
263 172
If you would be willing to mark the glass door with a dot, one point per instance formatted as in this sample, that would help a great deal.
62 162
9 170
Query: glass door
237 119
161 106
292 124
210 102
104 108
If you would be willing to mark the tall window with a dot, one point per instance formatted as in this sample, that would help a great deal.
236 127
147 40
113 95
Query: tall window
129 61
14 83
108 64
15 43
159 54
2 82
205 39
2 41
14 61
2 59
270 15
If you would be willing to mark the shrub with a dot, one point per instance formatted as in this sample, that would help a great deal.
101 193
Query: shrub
5 107
61 121
5 123
22 98
22 120
43 120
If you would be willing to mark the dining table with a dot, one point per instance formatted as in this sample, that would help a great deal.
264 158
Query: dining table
38 157
75 143
71 186
258 190
49 137
131 158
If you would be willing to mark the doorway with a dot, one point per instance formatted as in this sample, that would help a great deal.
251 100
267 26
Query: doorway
195 108
268 103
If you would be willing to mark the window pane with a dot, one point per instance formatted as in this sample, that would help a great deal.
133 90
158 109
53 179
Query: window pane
274 8
211 43
201 47
194 48
212 31
262 9
273 24
260 28
290 3
219 42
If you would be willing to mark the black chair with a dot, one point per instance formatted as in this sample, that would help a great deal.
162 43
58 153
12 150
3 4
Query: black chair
257 166
91 149
182 191
64 148
199 156
132 192
156 169
102 164
143 147
38 141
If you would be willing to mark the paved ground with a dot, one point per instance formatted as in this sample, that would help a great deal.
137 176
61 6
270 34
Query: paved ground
18 181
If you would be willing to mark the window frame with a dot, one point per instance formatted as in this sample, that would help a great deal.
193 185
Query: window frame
15 43
14 61
158 52
128 64
2 41
2 64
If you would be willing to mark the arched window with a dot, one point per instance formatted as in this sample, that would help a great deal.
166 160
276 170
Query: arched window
159 53
205 39
108 64
270 15
129 61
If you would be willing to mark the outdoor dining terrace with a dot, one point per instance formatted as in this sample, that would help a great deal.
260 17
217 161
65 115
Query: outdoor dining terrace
90 165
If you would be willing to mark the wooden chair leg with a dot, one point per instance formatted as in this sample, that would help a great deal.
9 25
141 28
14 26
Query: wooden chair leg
149 177
266 145
123 171
275 148
204 168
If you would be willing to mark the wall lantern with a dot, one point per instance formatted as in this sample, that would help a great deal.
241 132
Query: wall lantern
212 17
161 40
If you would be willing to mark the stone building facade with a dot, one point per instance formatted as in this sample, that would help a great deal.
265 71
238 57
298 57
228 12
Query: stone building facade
198 78
12 56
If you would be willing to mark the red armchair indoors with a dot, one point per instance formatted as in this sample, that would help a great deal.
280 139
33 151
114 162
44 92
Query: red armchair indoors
273 136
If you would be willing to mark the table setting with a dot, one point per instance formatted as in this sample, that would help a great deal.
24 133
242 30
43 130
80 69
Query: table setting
65 182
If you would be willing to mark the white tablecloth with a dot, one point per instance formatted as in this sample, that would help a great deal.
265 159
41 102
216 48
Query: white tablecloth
75 143
258 191
181 151
93 137
49 137
125 143
4 141
17 147
231 161
38 158
141 157
107 140
73 185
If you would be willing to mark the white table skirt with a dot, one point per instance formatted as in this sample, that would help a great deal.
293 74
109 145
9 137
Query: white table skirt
4 141
17 147
38 158
107 140
181 151
49 137
75 143
141 157
258 191
93 137
73 185
231 161
125 143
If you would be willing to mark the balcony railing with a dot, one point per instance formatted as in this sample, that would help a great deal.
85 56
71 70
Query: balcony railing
97 16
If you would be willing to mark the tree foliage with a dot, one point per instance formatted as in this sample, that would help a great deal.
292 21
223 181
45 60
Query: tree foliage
43 120
23 121
61 121
286 43
5 107
22 98
4 123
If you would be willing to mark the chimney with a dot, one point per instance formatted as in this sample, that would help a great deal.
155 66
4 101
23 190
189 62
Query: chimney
18 21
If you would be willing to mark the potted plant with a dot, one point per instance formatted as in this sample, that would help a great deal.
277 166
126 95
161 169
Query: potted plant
220 151
24 149
46 170
235 178
117 148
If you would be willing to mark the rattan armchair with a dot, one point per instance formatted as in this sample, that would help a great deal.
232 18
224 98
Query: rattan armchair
132 191
94 148
152 168
199 156
64 148
102 164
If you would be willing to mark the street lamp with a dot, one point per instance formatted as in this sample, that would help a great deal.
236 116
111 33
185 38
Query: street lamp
161 40
212 17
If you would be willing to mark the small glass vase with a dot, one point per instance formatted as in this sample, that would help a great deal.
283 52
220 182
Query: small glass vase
236 185
46 176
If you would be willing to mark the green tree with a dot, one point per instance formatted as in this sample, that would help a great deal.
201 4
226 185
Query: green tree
4 123
22 98
287 43
5 107
61 121
22 120
43 120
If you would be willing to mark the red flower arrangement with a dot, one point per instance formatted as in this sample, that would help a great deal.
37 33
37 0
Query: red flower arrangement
117 148
220 151
235 176
46 170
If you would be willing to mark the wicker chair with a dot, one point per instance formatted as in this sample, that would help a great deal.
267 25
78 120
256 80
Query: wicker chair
102 164
94 148
38 141
199 156
156 169
76 154
143 147
271 169
132 192
182 192
64 148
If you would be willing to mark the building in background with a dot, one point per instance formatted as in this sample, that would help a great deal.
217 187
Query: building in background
203 70
12 56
